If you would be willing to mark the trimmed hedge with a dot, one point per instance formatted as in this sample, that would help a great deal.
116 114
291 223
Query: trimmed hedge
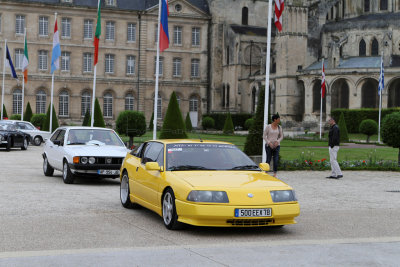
354 117
38 120
238 119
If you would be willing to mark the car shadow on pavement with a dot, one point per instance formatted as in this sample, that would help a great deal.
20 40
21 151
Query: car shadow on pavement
81 180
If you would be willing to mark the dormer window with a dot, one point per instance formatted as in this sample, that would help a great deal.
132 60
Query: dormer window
111 2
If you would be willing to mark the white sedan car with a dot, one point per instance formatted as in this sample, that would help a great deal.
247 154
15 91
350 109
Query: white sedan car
83 151
37 136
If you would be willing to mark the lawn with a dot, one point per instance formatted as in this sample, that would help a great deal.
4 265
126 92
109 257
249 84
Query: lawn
297 149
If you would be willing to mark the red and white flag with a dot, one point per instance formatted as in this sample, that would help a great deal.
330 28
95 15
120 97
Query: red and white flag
323 86
279 5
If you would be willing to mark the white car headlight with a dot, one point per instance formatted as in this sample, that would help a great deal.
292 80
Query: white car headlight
92 160
208 196
283 195
84 160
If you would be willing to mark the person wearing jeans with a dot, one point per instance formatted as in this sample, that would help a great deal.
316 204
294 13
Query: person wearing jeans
273 136
334 141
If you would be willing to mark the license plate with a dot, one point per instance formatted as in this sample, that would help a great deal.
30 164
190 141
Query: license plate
252 212
108 172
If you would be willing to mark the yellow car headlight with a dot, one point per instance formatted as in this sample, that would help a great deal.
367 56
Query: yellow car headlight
283 195
208 196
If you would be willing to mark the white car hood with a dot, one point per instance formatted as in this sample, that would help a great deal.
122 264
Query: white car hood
96 151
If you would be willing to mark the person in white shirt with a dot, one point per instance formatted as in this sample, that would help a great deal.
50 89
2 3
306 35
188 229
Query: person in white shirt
273 135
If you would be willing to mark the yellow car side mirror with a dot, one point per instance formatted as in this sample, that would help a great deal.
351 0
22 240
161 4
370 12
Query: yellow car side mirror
152 166
264 166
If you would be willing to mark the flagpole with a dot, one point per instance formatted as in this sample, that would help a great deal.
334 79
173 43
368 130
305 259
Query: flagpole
94 93
23 84
157 73
320 115
266 98
4 73
52 90
380 98
95 61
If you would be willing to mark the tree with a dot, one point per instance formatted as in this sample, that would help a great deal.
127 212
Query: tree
254 140
151 123
98 115
87 119
208 123
188 123
173 126
38 120
28 112
344 135
368 127
46 124
391 131
228 126
131 123
4 112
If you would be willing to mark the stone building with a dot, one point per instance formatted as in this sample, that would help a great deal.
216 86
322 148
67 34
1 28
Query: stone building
126 67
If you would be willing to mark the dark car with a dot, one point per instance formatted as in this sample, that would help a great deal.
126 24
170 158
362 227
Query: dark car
10 137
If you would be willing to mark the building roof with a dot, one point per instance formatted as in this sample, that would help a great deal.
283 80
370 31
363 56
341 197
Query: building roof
133 5
349 63
249 30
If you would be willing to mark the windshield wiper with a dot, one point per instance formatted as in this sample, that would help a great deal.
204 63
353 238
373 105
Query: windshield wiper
77 143
188 167
245 167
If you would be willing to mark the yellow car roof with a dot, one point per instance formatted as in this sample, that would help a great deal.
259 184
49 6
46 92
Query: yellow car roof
190 141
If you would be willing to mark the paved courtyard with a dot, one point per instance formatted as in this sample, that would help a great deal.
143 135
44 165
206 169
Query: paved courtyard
43 222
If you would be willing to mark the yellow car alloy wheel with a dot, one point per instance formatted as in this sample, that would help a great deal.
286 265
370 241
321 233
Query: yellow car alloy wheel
169 211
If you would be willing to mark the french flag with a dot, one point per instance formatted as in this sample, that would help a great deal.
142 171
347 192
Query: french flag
164 36
55 56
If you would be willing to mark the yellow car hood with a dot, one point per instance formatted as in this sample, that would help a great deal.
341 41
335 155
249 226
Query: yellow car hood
228 179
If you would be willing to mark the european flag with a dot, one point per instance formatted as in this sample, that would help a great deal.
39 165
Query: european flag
10 63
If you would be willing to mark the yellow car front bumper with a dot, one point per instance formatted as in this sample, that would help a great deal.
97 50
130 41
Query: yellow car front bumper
224 215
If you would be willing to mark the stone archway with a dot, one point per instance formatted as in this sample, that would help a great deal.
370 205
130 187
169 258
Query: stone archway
340 94
300 105
317 98
394 94
369 93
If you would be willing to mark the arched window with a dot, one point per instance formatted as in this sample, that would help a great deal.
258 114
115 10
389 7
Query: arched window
129 101
369 94
85 103
108 105
159 107
63 105
245 16
193 104
394 94
40 102
17 101
223 96
228 92
366 5
362 48
374 48
384 5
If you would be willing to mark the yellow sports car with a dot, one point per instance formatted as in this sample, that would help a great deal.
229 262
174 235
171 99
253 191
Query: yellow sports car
204 183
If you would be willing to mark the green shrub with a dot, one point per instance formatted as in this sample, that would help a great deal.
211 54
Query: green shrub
38 120
228 126
46 124
188 123
4 112
354 117
131 123
98 116
368 127
208 123
151 123
238 119
87 119
248 123
28 112
391 131
254 140
173 126
15 117
344 136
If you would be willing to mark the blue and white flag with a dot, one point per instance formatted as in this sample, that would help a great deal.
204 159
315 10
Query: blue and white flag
381 79
55 56
10 63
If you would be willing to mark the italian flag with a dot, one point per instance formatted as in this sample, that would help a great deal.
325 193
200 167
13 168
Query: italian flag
25 61
97 34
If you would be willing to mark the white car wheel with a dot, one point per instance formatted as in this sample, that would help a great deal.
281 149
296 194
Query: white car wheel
37 141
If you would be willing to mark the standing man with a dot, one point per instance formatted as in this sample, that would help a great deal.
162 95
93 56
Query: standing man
334 141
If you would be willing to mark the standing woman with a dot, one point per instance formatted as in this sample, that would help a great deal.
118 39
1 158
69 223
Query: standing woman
273 136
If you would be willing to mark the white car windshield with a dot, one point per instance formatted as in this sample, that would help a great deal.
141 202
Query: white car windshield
93 136
182 157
